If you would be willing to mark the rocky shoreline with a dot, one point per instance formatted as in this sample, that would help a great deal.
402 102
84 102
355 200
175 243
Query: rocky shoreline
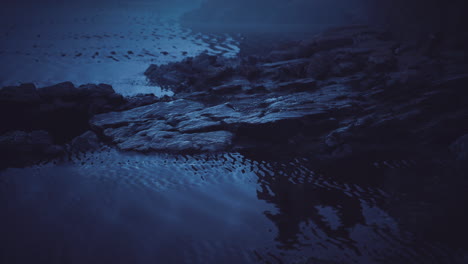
357 103
348 91
46 123
352 91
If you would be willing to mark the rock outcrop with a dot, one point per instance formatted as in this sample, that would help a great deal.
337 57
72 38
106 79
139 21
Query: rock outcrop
37 123
19 147
347 92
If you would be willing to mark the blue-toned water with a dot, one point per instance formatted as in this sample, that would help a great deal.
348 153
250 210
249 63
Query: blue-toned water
110 42
112 207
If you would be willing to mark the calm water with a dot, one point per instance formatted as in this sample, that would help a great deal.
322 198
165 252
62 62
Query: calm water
113 42
110 207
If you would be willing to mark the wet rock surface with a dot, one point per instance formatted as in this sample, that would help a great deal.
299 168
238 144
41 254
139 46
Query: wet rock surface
351 96
362 108
88 141
61 112
344 92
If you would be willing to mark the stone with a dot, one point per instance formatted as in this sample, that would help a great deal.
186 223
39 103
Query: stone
231 87
65 90
306 84
100 90
87 141
25 93
139 100
185 125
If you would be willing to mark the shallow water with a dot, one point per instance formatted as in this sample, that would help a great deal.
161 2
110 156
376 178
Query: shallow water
114 44
112 207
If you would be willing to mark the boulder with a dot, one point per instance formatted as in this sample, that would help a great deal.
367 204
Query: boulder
87 141
140 100
24 94
65 90
93 90
63 110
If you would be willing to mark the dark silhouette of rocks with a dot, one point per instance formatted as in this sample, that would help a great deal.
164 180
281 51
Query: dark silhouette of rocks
19 148
343 93
60 113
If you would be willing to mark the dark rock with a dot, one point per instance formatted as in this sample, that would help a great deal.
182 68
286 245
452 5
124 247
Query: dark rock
164 126
298 85
320 66
88 141
194 74
25 93
383 62
282 55
231 87
366 95
345 68
139 100
65 90
62 110
19 148
343 93
161 126
96 90
330 42
54 151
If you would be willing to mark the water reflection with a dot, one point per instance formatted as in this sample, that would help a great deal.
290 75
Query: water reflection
131 208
